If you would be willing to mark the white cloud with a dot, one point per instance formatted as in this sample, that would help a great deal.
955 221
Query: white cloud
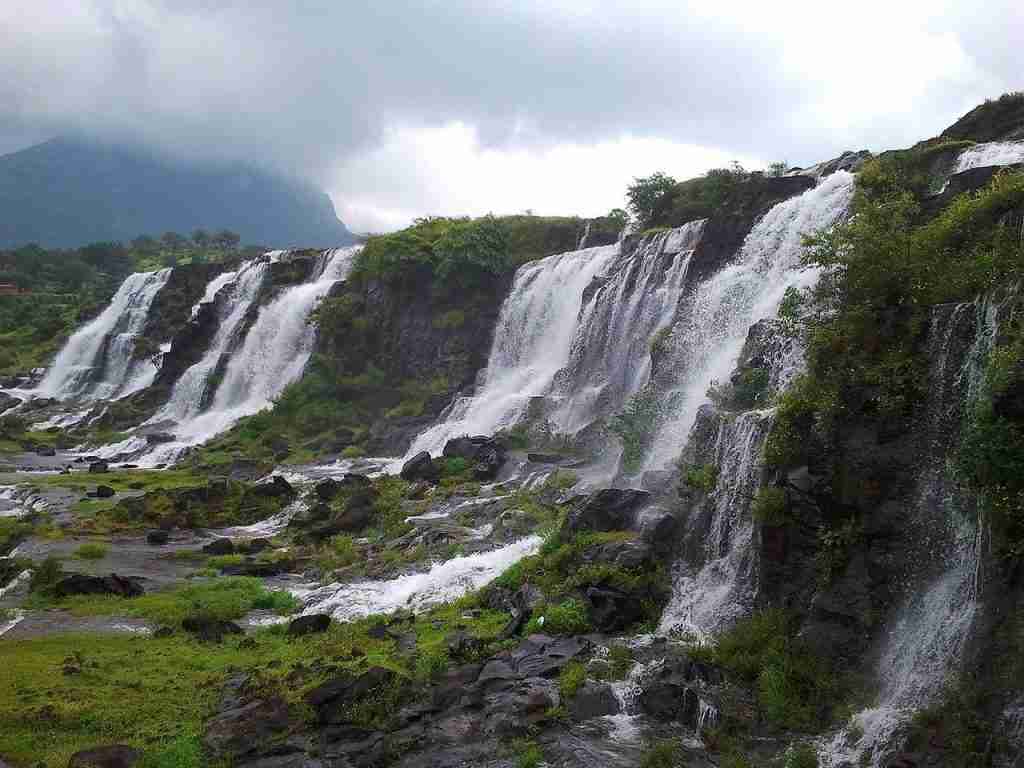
447 171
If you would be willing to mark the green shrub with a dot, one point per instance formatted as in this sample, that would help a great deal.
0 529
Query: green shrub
801 756
353 452
663 754
620 661
571 679
567 618
770 506
635 426
703 478
45 575
93 550
528 754
452 319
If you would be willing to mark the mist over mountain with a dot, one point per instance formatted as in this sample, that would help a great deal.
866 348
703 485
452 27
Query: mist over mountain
69 191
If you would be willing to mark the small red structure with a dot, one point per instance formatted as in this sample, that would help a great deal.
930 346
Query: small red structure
11 289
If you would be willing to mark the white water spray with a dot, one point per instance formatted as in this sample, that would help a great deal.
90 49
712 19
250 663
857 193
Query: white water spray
991 153
708 336
98 361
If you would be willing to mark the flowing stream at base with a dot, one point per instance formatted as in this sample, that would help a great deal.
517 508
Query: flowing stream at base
443 582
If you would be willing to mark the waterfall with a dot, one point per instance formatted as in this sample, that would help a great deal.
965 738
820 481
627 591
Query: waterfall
273 355
711 595
532 343
189 393
708 335
212 289
927 638
991 153
444 582
610 356
98 361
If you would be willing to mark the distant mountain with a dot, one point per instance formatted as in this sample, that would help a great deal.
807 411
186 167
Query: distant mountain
68 192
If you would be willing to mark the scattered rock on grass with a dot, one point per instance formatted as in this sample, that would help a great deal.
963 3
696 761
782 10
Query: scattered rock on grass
309 625
113 756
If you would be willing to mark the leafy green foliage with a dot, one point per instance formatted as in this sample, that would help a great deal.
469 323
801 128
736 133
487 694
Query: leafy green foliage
93 550
647 194
703 478
566 618
571 679
770 505
800 756
528 754
796 689
662 754
635 426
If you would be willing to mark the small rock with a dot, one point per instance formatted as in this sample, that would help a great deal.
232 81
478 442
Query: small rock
593 699
208 630
545 458
220 547
104 492
277 487
420 467
610 509
163 632
255 546
46 450
327 489
309 625
113 756
157 537
98 467
158 438
81 584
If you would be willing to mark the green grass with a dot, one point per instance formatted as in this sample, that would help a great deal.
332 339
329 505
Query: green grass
571 679
226 599
93 550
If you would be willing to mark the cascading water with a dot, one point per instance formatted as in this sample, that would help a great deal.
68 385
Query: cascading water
188 395
443 583
531 345
98 361
610 358
926 642
212 289
991 153
273 355
711 595
708 336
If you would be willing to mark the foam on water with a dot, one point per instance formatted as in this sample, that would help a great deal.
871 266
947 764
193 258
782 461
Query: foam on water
991 153
443 583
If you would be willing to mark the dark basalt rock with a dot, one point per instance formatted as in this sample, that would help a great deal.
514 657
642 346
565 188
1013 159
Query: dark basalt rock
104 492
220 547
81 584
46 450
593 699
309 625
485 453
611 609
7 401
157 537
327 489
277 488
545 458
98 467
420 467
253 546
244 727
113 756
333 698
610 509
158 438
209 630
261 569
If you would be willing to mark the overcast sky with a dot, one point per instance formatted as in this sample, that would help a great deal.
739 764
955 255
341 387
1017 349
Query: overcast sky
402 109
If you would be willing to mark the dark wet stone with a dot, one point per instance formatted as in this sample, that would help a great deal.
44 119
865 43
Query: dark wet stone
113 756
309 625
420 467
611 609
46 450
670 700
593 699
157 537
610 509
81 584
260 569
220 547
164 632
245 727
545 458
158 438
277 488
327 489
209 630
254 546
98 467
104 492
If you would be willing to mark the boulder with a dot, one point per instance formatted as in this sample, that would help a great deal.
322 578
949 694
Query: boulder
309 625
277 488
327 489
610 509
670 700
593 699
218 485
81 584
104 492
611 610
98 467
159 438
487 454
243 726
254 546
420 467
220 547
7 401
46 450
545 458
157 537
332 699
209 630
261 569
113 756
358 512
659 530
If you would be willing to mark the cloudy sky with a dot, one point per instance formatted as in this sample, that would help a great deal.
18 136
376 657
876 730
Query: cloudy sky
402 109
